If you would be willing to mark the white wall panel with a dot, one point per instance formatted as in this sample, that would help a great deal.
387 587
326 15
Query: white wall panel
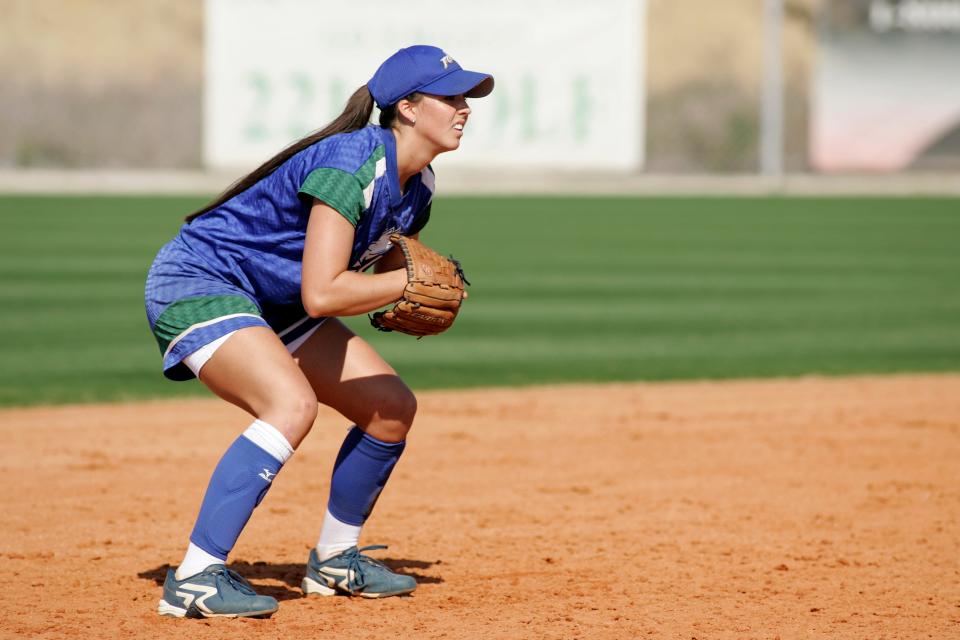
569 75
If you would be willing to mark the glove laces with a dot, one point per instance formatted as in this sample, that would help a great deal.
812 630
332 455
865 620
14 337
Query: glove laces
458 268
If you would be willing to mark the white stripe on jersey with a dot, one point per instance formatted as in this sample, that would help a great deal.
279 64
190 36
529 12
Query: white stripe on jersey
379 170
428 180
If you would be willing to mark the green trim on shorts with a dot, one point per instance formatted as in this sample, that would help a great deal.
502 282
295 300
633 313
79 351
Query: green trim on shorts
183 314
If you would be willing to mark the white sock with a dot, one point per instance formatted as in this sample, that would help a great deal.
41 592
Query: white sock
336 536
268 438
195 561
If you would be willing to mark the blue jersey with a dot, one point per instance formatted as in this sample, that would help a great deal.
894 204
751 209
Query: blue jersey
256 239
239 264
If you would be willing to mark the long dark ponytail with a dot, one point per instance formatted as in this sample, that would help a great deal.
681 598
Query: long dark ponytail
356 115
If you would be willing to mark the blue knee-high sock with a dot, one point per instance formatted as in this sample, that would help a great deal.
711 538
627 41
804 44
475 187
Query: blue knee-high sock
362 469
237 486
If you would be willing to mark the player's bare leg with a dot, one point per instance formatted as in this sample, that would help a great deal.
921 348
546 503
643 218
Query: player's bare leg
252 370
348 375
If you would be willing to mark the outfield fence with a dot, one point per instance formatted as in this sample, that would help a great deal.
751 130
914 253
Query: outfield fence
487 183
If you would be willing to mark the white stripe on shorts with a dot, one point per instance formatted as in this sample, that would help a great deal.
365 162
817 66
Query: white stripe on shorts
200 325
198 358
293 326
296 344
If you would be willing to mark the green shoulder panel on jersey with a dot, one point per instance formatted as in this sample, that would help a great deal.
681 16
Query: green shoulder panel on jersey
348 193
338 189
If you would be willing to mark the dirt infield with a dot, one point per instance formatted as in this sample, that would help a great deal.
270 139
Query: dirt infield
822 508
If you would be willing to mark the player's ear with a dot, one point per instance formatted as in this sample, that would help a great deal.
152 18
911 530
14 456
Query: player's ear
407 111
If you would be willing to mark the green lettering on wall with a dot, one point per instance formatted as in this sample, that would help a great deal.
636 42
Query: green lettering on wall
256 128
501 112
302 113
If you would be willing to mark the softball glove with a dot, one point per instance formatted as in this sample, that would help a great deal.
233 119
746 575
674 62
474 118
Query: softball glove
432 297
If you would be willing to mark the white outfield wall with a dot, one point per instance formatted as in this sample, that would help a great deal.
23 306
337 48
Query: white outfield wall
478 182
570 75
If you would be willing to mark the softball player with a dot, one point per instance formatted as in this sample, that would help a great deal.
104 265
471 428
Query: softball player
246 298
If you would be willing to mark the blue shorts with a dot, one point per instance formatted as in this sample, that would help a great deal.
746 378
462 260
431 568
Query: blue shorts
189 306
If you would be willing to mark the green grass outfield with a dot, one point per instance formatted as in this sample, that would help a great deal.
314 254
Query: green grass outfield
586 289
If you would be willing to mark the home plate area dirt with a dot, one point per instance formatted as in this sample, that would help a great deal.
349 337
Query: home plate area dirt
804 508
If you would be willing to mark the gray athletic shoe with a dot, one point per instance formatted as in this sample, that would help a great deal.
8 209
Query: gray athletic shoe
354 574
214 592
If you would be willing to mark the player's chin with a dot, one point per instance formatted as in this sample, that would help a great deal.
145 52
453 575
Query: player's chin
449 144
454 136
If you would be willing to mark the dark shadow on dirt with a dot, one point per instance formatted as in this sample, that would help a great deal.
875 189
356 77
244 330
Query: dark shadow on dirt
291 574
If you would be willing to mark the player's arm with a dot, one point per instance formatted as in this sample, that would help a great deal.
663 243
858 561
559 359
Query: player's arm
328 288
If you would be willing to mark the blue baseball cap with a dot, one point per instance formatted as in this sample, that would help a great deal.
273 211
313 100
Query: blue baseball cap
425 69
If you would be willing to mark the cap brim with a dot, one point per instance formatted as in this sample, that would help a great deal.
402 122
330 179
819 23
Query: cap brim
470 83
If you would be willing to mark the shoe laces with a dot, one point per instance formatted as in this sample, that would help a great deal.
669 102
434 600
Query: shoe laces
358 564
235 580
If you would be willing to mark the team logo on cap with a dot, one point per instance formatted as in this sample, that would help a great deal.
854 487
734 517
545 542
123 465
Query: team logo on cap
447 60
